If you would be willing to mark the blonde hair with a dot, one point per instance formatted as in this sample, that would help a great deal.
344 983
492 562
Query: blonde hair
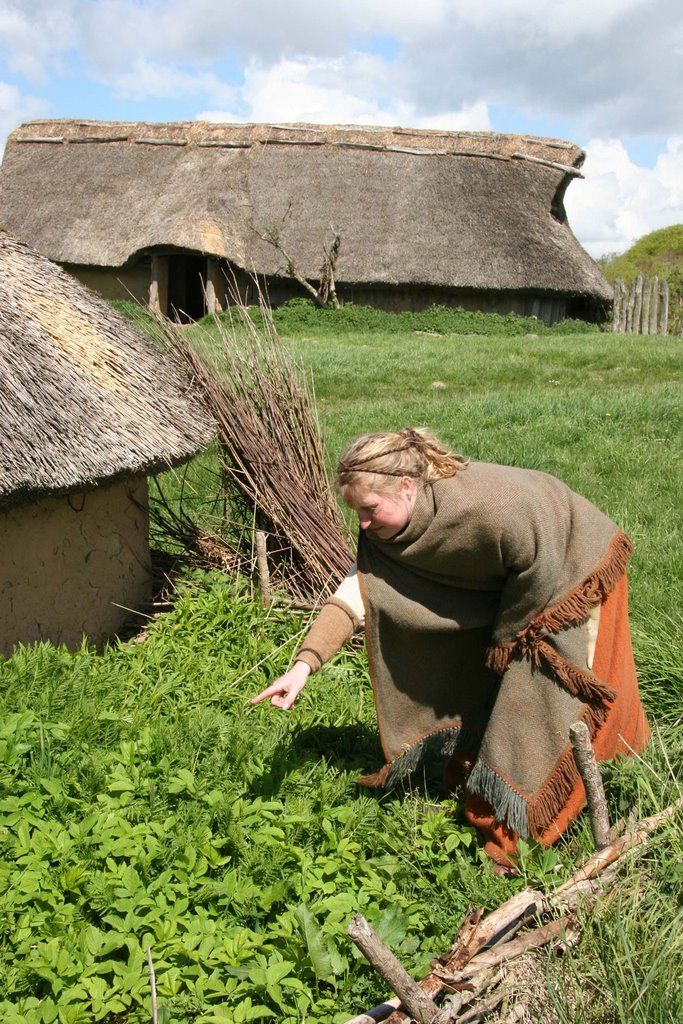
376 462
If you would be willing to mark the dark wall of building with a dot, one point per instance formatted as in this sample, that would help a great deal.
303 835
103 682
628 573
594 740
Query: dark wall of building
133 282
129 282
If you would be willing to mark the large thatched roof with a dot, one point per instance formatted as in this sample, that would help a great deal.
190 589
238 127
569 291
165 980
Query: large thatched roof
84 396
457 209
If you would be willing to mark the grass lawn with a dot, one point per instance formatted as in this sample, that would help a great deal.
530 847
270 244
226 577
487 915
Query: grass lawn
145 803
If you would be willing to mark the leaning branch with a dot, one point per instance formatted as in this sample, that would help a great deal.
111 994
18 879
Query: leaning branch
587 763
392 970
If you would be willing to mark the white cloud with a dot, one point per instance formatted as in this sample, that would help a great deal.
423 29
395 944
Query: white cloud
474 117
354 89
34 33
146 79
619 201
544 19
15 108
578 62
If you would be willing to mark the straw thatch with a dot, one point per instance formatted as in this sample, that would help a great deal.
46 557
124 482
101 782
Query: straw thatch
458 210
84 397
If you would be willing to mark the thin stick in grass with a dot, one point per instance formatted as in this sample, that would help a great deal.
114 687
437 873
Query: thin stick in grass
152 985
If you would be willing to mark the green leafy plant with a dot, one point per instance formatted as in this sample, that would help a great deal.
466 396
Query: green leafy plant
145 804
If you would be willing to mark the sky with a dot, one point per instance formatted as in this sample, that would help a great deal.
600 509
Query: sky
606 74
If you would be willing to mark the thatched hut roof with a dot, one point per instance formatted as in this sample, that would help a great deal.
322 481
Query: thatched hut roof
472 210
84 396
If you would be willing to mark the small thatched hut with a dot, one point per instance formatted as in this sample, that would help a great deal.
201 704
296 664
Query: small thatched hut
88 408
170 212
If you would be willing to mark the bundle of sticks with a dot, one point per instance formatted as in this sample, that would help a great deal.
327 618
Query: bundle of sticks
280 516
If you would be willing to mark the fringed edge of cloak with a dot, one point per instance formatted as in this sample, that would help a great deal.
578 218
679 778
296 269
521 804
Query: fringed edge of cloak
532 816
444 740
573 679
569 611
509 807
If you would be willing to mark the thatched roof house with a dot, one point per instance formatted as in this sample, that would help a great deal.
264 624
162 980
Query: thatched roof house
88 408
461 218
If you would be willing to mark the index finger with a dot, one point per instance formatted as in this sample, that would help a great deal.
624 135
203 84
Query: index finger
270 691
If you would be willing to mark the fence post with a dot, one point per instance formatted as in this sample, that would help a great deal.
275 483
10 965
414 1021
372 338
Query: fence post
645 324
629 307
664 308
616 306
655 305
638 308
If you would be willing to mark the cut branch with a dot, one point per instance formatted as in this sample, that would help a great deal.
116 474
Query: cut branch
152 985
587 763
263 571
504 951
638 835
392 970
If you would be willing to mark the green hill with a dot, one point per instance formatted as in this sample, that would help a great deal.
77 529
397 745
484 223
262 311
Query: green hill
658 254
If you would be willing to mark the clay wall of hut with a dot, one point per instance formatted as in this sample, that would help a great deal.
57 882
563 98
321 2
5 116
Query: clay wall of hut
74 565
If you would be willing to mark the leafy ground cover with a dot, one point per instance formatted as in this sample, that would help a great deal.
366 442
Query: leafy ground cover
302 316
145 804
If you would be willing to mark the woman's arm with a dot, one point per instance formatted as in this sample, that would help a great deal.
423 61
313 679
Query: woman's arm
339 618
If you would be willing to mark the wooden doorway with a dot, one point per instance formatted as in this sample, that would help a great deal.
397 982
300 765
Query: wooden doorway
186 287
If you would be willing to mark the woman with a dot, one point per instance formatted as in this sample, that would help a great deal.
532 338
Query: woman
495 610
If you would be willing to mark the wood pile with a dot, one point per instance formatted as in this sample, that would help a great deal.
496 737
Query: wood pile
472 972
281 520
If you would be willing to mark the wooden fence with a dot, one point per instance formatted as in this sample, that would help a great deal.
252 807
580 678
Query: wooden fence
643 308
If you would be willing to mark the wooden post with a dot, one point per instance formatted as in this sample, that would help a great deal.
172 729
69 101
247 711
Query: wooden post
645 321
213 286
654 309
621 300
158 285
586 762
629 308
664 307
415 999
639 303
616 306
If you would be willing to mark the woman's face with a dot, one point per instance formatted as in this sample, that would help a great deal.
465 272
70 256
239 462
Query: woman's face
385 515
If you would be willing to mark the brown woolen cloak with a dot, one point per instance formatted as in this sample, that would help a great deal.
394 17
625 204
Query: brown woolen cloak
477 636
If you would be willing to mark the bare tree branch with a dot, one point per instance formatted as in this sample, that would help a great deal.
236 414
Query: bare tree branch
325 295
